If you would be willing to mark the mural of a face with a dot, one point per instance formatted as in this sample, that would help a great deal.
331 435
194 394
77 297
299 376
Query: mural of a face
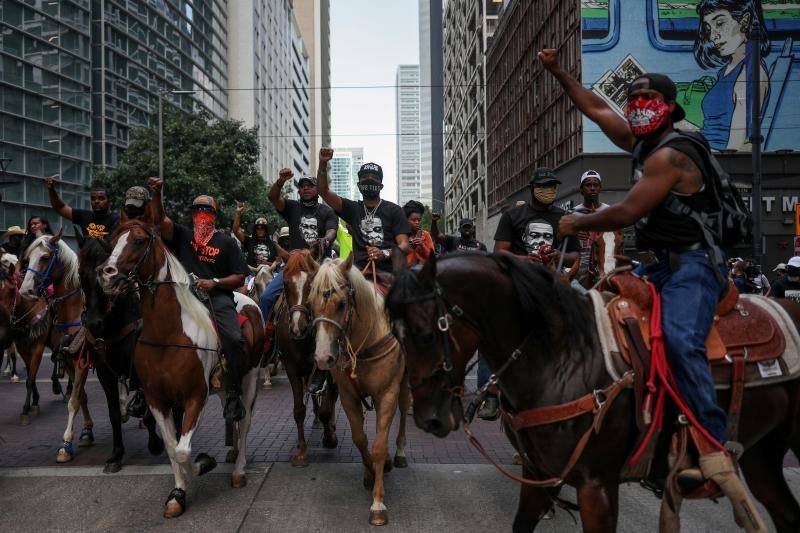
308 229
537 233
724 31
372 229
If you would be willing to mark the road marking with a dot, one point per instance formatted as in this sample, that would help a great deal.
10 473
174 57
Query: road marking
127 470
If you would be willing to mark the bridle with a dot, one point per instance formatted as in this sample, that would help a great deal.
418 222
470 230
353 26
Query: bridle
343 337
44 277
132 282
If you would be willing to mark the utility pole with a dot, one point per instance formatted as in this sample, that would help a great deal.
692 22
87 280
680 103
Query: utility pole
755 134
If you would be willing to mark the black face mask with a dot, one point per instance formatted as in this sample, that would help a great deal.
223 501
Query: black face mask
131 211
370 188
309 203
466 235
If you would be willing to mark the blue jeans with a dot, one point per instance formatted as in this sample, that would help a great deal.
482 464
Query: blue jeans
689 298
270 295
484 372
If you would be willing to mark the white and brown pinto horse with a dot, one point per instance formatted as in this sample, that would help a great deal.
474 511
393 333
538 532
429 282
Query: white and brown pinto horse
178 350
43 319
355 342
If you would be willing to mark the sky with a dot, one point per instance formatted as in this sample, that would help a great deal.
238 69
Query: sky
369 39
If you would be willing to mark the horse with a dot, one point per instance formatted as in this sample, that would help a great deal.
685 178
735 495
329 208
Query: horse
262 275
111 329
296 346
545 335
605 251
41 319
354 341
8 292
178 350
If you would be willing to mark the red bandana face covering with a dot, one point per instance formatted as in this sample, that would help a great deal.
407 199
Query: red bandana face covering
646 116
203 226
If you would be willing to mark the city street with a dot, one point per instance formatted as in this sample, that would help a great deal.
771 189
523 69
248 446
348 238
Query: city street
447 487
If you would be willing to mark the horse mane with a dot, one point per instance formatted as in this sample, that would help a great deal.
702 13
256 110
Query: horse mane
186 298
329 278
297 262
69 259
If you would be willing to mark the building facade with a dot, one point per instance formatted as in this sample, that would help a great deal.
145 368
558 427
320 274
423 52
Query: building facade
268 72
468 29
77 76
408 133
532 123
343 173
313 20
425 122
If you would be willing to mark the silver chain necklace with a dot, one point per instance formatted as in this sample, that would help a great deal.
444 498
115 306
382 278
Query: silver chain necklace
370 215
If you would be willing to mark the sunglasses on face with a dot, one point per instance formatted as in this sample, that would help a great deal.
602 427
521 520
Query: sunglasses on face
204 208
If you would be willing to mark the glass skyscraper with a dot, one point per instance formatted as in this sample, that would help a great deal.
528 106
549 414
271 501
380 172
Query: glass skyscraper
77 75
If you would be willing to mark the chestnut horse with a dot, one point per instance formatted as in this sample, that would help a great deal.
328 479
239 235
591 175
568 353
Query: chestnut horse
354 341
8 293
546 333
41 319
178 350
296 346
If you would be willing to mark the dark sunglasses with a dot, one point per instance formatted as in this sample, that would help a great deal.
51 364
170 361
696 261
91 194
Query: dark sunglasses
205 208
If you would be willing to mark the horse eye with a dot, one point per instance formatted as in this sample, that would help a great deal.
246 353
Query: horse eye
340 307
138 241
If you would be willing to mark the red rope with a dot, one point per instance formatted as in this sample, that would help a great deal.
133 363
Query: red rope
661 382
85 357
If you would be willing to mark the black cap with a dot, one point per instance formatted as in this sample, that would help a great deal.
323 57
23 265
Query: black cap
311 179
371 168
544 176
466 222
662 84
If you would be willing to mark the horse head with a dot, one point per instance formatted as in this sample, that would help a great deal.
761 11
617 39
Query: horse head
297 277
93 253
136 258
50 261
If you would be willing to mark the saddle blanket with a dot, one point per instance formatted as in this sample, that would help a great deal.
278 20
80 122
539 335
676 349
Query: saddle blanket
771 371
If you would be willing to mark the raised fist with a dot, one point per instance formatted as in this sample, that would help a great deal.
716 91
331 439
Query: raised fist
325 154
549 59
239 207
436 217
155 184
285 175
50 182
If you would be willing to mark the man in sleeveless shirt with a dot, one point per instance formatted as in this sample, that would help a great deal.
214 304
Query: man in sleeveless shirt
689 280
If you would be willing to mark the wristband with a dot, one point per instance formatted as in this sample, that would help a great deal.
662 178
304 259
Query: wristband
386 253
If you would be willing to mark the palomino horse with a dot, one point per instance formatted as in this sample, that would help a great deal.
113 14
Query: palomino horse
178 350
354 341
262 275
546 334
111 329
296 345
42 319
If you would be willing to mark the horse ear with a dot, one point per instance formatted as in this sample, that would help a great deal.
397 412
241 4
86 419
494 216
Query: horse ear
428 272
283 254
57 237
123 217
398 260
347 264
311 261
318 250
79 235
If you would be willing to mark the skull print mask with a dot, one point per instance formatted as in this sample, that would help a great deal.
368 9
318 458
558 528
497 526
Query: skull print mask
537 233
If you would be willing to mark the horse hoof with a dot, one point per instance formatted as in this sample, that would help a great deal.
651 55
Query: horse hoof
125 418
24 420
112 467
173 509
155 446
369 483
273 370
87 438
266 385
35 410
387 466
63 456
238 481
205 463
14 379
57 391
330 443
378 518
300 461
400 461
231 456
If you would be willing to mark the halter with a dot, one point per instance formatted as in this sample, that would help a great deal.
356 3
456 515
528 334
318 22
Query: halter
55 259
133 282
344 338
309 317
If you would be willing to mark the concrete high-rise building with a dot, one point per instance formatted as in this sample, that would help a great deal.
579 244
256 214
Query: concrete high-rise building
425 126
468 28
313 19
343 173
77 76
408 134
267 54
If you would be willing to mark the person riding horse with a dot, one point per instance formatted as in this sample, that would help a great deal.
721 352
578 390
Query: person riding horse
216 260
464 241
310 223
685 268
591 184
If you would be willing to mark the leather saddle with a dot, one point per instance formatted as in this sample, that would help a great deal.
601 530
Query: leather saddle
742 329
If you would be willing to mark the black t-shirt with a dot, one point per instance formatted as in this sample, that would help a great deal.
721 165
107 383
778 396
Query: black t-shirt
220 258
454 243
95 225
255 249
307 223
527 229
378 230
784 288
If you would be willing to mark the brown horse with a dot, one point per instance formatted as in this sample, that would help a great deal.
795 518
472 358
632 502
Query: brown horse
178 350
605 249
354 341
546 336
41 319
296 345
